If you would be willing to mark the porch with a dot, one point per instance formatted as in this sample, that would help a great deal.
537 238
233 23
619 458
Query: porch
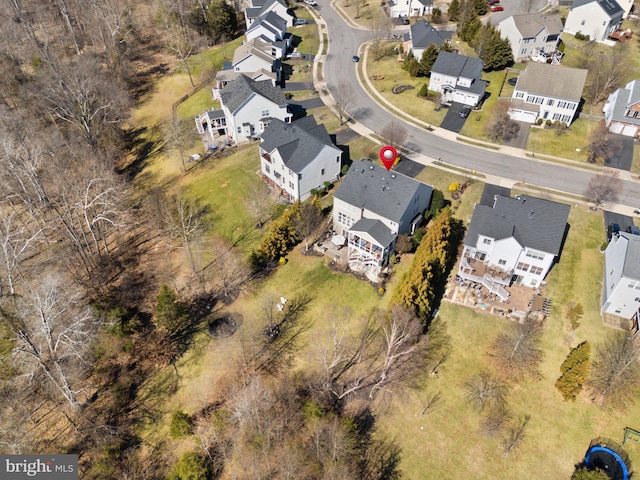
492 278
554 58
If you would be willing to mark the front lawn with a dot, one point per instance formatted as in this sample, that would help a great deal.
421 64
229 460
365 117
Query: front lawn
571 144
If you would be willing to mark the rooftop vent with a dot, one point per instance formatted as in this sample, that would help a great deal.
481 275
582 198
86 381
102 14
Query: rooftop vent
370 167
531 213
393 175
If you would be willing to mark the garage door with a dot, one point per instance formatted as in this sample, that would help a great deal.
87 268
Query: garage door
616 128
629 130
458 97
523 115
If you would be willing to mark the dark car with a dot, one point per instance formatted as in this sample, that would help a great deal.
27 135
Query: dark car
494 2
633 230
355 59
301 21
612 229
405 20
512 81
466 110
497 8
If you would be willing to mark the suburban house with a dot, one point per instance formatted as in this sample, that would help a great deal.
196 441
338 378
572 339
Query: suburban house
255 57
596 18
533 36
621 289
297 157
457 78
515 241
548 92
622 110
270 28
409 8
257 8
421 35
248 107
371 207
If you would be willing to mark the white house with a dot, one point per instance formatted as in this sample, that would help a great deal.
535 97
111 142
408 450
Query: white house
516 240
421 35
371 207
272 28
621 289
531 34
254 56
457 78
549 92
247 107
409 8
298 157
596 18
622 110
258 8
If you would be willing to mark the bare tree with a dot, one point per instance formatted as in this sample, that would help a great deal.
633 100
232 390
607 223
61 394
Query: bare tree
259 203
343 97
485 391
395 134
515 435
615 372
227 272
307 220
381 27
606 71
180 136
501 127
517 352
604 187
494 419
53 337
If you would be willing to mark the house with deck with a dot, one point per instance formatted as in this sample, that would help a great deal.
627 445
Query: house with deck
298 157
457 78
515 241
422 34
622 110
247 108
371 207
258 59
596 18
257 8
533 36
621 286
271 28
547 92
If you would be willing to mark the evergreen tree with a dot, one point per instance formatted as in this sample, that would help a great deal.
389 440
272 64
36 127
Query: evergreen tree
500 55
282 235
411 64
575 370
221 20
171 312
469 29
480 7
454 10
427 60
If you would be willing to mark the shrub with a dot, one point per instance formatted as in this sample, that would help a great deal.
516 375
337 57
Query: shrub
548 122
454 187
575 370
191 466
180 425
282 260
437 204
539 121
257 260
170 313
574 314
404 244
381 291
424 90
328 186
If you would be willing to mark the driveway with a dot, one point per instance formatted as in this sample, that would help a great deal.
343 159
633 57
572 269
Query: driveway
408 167
345 136
453 121
611 217
621 148
297 86
520 140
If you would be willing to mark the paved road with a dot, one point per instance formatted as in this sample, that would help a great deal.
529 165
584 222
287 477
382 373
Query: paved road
339 70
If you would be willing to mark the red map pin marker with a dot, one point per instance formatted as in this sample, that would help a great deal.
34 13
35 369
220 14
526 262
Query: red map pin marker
388 155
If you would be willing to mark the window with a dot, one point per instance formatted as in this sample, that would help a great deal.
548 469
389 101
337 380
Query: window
502 262
345 220
522 266
267 169
239 129
619 309
487 241
536 270
550 102
523 51
322 172
582 22
556 116
299 176
637 299
519 94
265 113
337 159
291 185
535 255
562 104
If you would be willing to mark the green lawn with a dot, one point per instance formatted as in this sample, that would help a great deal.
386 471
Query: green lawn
572 144
197 103
475 125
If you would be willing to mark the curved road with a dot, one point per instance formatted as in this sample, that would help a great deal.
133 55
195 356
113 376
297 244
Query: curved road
345 41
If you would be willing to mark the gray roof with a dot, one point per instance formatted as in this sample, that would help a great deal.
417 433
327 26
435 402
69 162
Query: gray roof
378 230
252 12
271 21
555 81
455 65
631 267
238 90
530 24
298 143
384 193
268 4
423 34
610 7
625 98
535 223
215 114
478 87
255 47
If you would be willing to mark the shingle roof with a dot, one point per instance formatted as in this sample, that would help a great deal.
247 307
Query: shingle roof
625 97
254 47
268 4
530 24
240 89
610 7
378 230
271 21
455 65
535 223
555 81
370 186
631 267
423 34
298 143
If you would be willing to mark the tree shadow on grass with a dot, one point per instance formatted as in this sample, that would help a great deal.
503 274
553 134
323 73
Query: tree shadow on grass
143 143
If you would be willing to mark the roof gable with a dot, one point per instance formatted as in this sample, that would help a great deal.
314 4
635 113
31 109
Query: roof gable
376 229
240 89
534 222
531 24
384 193
423 34
455 65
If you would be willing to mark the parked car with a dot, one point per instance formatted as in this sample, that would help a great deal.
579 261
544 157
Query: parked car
612 229
313 3
355 59
497 8
301 21
494 2
405 20
295 56
512 81
466 110
632 229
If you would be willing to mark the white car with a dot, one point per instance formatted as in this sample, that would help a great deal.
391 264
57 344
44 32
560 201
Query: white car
313 3
295 56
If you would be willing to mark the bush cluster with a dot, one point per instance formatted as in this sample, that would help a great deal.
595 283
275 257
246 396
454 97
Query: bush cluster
575 370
